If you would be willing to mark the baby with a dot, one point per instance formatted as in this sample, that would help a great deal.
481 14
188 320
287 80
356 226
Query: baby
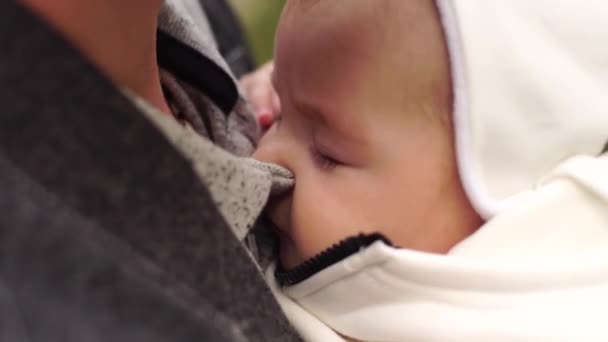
365 127
395 167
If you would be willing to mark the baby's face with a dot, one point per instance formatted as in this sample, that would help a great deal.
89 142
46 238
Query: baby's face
365 128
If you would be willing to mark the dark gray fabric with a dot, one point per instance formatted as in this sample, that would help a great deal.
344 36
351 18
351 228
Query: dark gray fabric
236 133
67 279
12 324
229 36
106 233
199 80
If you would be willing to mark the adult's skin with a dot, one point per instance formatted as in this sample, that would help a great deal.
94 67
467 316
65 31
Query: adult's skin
125 50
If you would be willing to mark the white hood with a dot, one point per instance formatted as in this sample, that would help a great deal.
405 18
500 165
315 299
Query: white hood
531 89
531 92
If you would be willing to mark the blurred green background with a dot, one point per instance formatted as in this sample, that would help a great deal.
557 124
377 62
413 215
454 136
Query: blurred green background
259 20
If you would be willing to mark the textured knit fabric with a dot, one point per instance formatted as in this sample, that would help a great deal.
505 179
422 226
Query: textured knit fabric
236 132
107 233
239 186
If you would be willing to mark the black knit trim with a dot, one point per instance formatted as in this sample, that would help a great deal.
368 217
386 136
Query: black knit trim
330 256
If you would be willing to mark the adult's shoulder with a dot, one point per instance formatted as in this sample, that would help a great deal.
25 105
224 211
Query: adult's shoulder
102 217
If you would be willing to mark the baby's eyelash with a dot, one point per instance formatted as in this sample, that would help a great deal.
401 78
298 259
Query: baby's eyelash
323 161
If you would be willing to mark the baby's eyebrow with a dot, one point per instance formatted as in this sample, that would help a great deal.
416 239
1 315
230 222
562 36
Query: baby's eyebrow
334 121
310 111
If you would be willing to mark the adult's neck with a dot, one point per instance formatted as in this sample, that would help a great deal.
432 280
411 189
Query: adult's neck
119 36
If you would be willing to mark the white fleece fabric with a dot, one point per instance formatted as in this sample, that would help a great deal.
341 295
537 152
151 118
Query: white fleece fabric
531 90
531 113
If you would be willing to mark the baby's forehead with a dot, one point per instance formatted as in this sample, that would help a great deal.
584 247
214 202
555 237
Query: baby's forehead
331 15
319 36
380 25
366 43
330 26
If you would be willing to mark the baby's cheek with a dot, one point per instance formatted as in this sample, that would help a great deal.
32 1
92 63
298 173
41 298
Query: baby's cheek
320 220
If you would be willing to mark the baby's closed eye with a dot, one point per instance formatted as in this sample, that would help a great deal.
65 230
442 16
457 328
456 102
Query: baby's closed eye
324 160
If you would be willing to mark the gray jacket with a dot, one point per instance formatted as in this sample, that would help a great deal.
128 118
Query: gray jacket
106 231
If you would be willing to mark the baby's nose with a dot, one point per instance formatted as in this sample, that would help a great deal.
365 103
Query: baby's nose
267 152
275 147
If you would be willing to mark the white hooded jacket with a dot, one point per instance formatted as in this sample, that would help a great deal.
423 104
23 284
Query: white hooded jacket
531 118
